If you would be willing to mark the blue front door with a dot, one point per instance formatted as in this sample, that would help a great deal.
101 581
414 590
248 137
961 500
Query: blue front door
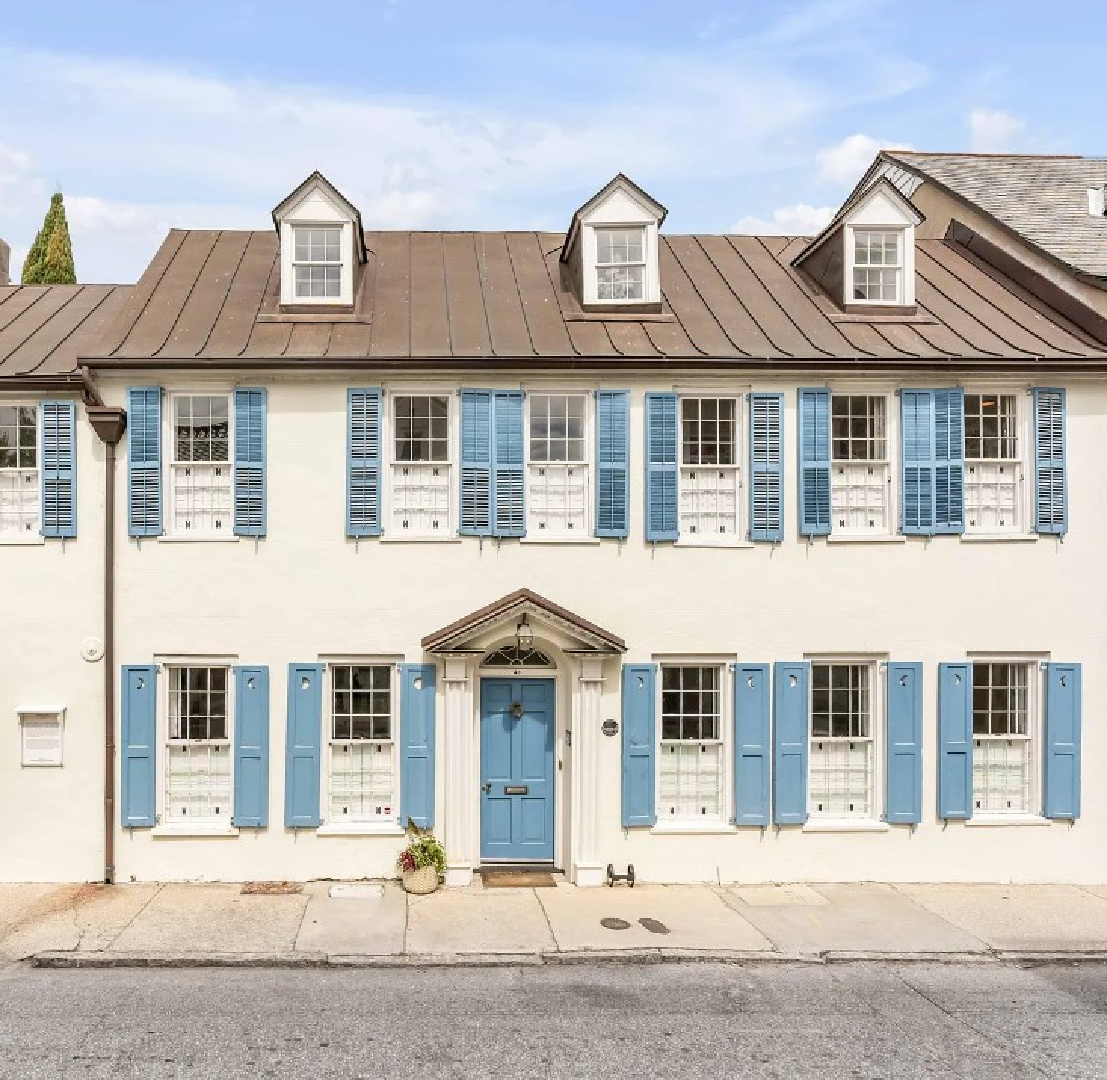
517 769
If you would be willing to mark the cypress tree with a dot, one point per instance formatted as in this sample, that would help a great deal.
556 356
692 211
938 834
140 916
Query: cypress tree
57 264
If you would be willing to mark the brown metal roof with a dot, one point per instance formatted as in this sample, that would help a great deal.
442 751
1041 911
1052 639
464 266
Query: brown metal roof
44 328
466 297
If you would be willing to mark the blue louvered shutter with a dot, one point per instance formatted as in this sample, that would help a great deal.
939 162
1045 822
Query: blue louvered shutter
612 463
917 422
363 462
791 728
417 697
639 738
752 744
1062 737
59 469
904 744
1050 480
251 746
662 445
302 745
509 518
955 741
949 460
144 461
814 462
476 463
249 461
766 467
138 754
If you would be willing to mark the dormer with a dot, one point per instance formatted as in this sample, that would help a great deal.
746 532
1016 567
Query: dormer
865 258
322 245
610 251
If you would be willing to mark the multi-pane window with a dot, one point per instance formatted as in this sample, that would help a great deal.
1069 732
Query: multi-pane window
421 465
709 474
1002 744
557 485
621 264
691 766
201 477
362 777
993 469
860 489
843 756
877 265
19 486
198 750
317 261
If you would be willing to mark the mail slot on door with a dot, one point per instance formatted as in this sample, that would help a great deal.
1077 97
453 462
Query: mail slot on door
517 789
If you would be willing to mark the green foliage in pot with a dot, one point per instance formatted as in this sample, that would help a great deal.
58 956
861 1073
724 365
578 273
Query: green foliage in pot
423 849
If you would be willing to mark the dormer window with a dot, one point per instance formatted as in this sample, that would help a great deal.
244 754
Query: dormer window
621 264
317 261
878 266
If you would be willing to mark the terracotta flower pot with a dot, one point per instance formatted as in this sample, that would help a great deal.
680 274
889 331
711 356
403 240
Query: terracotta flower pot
421 881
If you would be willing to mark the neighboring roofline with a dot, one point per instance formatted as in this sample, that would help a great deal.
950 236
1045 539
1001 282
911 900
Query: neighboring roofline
71 379
353 211
619 178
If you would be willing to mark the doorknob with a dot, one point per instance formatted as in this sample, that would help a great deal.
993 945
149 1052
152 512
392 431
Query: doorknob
486 788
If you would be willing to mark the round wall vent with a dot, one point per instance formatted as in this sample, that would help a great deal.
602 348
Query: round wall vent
92 649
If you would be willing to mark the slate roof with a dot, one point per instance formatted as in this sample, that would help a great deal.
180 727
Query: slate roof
497 298
1043 198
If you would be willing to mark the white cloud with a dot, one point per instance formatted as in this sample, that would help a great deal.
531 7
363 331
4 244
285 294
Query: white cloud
15 165
845 162
992 131
802 219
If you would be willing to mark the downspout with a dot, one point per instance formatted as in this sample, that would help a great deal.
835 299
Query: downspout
109 423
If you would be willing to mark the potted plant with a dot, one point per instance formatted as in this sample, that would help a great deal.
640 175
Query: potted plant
422 862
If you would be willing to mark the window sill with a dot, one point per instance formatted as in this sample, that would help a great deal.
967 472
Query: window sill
185 831
561 540
998 538
689 828
846 826
23 541
418 539
991 821
165 539
727 545
861 538
366 829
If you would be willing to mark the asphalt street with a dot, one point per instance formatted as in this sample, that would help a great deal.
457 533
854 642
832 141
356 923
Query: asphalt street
769 1020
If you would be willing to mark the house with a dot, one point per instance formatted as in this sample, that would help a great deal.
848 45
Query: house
733 558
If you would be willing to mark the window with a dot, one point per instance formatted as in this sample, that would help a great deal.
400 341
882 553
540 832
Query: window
993 469
421 465
692 755
843 752
20 499
621 264
202 480
878 266
362 772
861 475
709 475
198 754
317 262
557 490
1002 744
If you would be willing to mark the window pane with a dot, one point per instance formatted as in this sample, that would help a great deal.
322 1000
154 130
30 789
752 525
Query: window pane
708 427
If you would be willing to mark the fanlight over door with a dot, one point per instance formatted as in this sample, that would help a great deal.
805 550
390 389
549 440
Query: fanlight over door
516 656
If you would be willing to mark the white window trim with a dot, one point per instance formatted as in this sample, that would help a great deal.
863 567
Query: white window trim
906 291
289 298
586 536
389 826
35 537
651 284
891 534
169 442
740 538
1024 431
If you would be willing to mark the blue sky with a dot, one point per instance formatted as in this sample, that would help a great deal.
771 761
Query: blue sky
750 115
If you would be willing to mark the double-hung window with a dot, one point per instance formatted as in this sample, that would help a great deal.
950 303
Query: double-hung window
878 266
1002 726
709 473
843 742
317 262
361 768
993 468
198 782
20 502
691 772
558 497
201 475
861 474
620 264
421 489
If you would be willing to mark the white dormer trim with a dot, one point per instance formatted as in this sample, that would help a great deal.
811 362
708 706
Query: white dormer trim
882 209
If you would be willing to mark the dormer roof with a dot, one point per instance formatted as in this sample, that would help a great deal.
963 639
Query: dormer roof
619 182
318 182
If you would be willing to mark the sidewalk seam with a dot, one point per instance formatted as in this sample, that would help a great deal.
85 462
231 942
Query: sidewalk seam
546 916
130 922
897 887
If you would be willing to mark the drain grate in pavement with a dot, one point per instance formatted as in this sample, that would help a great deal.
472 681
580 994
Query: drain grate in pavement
615 924
653 926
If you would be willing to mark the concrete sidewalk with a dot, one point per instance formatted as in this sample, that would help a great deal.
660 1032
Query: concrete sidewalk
367 923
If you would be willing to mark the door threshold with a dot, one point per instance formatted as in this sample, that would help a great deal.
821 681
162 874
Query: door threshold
535 866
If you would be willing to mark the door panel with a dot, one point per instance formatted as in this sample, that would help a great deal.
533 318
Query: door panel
517 769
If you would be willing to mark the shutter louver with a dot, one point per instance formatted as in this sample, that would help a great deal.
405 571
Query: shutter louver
1062 738
1050 480
249 461
661 467
955 741
251 747
507 482
933 461
904 744
791 727
949 461
363 464
138 756
417 698
814 464
59 469
612 463
766 467
144 461
752 744
302 745
476 463
639 708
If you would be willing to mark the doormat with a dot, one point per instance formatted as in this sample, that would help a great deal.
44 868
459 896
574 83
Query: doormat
272 888
517 879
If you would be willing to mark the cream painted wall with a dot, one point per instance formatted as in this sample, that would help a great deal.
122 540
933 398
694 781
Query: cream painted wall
305 591
50 603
